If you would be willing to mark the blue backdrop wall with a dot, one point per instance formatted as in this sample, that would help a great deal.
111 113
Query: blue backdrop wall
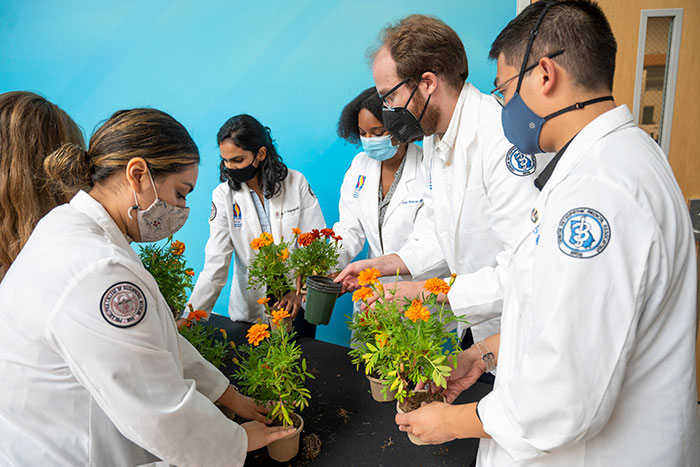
291 64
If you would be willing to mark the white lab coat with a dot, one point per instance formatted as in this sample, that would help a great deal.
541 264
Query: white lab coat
359 207
475 206
78 390
295 206
597 355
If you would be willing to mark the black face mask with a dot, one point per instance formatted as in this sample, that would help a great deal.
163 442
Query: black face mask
400 122
244 174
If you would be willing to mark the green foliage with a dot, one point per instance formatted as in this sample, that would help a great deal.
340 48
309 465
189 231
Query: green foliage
274 372
406 341
269 269
166 263
209 341
317 253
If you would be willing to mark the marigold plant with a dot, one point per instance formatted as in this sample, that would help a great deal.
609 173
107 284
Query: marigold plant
405 341
269 270
317 253
272 371
166 263
209 341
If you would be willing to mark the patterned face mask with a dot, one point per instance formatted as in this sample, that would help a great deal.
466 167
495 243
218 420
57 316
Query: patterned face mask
160 220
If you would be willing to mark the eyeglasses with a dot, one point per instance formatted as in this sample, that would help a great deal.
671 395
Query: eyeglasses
391 91
498 92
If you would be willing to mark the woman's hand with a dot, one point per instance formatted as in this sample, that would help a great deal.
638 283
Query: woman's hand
260 435
292 303
243 406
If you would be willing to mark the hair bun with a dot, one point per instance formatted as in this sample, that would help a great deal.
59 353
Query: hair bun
69 168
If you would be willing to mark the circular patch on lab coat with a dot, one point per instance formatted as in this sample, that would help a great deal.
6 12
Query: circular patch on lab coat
583 233
123 305
212 216
520 164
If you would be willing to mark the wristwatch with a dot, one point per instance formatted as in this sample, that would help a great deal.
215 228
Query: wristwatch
487 356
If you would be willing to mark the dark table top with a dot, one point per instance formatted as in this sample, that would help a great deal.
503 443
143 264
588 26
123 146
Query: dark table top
352 427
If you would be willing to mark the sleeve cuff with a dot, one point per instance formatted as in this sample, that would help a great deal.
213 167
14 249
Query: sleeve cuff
498 426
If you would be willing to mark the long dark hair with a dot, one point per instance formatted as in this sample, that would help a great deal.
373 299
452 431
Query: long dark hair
347 124
249 134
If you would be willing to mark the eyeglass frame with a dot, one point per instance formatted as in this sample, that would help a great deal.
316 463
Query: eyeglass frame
395 88
500 98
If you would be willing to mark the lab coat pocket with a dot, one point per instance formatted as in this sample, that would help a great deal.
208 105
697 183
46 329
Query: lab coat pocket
473 217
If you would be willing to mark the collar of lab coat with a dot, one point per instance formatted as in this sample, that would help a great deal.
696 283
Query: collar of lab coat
92 208
462 123
577 150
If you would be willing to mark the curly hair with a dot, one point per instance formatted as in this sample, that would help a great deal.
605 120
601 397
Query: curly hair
348 125
249 134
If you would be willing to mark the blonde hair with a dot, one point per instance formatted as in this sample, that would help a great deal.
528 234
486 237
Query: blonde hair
31 128
155 136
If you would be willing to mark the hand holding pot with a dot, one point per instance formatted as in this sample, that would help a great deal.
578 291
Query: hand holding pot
260 435
469 368
292 303
428 422
243 406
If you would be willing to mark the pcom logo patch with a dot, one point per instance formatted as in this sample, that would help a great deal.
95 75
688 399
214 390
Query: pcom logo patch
520 164
583 233
123 305
358 186
237 219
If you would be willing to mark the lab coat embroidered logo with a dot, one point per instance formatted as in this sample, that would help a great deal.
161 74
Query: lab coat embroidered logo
123 305
212 216
520 164
583 233
358 186
237 219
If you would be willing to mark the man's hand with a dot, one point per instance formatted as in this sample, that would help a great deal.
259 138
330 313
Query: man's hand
291 302
469 368
348 276
260 435
428 422
243 406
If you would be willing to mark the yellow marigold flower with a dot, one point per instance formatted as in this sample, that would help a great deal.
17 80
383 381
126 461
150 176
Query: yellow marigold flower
257 333
436 286
177 248
362 294
266 239
417 311
284 254
263 300
279 315
381 339
368 276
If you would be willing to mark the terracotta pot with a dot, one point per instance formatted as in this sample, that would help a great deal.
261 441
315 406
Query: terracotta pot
376 386
284 449
414 439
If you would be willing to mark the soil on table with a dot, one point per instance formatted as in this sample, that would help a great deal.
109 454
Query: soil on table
412 403
311 446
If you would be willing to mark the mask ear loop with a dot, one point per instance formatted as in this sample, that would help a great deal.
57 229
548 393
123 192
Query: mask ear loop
533 34
136 200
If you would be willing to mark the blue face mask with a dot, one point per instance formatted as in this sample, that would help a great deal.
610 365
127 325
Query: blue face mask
379 148
521 125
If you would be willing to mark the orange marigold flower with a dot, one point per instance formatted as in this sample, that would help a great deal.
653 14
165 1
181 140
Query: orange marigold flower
263 300
316 233
337 237
381 340
436 286
327 233
296 231
197 315
266 239
362 294
368 276
177 248
255 244
417 311
284 254
189 272
257 333
279 315
306 239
